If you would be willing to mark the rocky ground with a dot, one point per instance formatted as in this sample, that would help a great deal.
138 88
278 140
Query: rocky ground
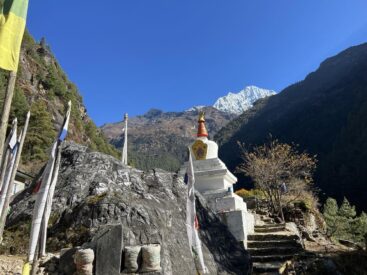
11 265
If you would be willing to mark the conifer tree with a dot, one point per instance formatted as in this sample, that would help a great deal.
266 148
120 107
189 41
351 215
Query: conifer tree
19 106
360 227
330 215
346 210
40 134
345 220
342 223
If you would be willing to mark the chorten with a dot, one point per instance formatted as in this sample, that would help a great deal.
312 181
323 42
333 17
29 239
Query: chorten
215 182
211 174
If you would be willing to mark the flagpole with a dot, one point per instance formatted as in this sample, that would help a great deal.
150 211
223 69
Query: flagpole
42 196
6 153
12 179
124 149
6 110
46 215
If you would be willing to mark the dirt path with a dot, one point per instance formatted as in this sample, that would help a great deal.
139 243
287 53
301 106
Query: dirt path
11 265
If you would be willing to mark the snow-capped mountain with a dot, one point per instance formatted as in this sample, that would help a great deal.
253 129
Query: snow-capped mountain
237 103
195 108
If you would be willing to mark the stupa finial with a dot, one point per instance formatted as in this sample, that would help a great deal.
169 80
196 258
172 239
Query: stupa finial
202 131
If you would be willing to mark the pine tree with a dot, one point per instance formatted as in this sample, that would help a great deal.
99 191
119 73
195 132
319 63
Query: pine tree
19 106
345 220
346 210
40 133
360 227
330 215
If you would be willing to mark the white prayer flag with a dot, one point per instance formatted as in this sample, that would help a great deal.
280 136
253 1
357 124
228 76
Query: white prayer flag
64 130
192 224
43 203
10 166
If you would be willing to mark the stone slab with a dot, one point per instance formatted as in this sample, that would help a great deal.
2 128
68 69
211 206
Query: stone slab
109 251
230 203
236 223
250 222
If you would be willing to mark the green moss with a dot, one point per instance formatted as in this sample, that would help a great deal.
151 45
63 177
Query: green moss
95 199
14 238
54 217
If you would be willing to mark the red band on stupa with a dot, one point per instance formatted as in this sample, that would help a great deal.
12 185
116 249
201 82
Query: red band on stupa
202 131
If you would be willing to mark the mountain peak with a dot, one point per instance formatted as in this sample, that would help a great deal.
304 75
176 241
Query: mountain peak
237 103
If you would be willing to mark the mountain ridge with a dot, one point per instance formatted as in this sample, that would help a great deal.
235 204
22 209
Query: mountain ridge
326 114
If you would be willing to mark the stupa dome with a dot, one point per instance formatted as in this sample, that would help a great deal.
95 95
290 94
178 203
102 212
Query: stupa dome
203 148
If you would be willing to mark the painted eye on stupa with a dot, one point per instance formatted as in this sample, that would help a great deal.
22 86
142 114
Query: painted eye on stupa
200 149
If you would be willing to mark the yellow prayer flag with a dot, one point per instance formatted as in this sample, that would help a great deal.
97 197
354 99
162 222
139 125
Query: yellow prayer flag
26 269
13 14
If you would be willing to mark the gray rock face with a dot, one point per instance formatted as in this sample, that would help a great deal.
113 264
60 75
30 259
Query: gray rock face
150 206
109 248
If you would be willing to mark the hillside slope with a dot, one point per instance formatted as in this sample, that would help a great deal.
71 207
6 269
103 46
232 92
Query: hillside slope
326 114
44 88
159 139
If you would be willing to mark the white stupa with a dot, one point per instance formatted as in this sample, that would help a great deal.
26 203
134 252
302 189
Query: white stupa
215 182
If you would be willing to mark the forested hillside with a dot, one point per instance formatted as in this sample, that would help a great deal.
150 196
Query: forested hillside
43 87
326 114
159 139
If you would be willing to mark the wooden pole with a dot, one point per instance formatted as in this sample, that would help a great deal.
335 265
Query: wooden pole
6 110
124 149
46 215
34 265
6 154
12 179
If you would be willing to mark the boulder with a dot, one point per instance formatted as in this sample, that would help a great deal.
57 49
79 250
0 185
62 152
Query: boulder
150 206
109 248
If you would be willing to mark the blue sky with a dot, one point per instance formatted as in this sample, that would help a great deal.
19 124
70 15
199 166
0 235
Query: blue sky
130 56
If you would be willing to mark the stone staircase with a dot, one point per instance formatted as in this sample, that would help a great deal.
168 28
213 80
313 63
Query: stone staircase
271 246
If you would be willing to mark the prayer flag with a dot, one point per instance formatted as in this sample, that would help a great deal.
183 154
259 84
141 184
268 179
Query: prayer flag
13 14
43 203
192 223
64 129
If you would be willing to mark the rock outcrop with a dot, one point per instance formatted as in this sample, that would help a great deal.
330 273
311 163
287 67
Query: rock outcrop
95 189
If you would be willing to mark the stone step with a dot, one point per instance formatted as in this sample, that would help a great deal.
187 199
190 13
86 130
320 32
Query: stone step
272 258
272 243
267 267
263 251
269 229
271 225
271 237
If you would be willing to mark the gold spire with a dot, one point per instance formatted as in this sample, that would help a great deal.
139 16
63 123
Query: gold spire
202 131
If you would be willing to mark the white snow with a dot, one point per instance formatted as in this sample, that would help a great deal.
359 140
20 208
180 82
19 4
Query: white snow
237 103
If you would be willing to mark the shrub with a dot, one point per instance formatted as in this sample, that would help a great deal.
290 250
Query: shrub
251 193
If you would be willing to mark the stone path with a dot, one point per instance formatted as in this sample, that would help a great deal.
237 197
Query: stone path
271 246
